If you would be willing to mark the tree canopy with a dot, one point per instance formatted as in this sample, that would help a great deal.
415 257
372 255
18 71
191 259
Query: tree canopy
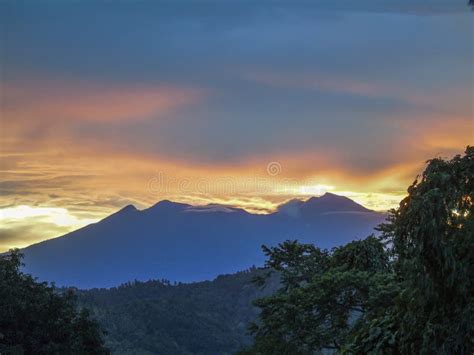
410 290
432 233
159 317
36 319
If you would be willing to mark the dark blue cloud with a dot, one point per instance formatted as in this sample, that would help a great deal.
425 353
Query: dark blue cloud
369 61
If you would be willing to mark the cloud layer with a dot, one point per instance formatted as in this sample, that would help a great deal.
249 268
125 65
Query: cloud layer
99 98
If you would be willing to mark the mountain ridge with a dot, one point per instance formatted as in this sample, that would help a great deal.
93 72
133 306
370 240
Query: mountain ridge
186 243
351 206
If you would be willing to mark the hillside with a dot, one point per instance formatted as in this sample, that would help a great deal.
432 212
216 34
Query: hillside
157 317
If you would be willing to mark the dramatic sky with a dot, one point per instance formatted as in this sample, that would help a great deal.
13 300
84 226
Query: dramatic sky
107 103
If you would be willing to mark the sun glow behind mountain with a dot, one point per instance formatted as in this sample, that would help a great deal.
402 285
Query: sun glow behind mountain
239 104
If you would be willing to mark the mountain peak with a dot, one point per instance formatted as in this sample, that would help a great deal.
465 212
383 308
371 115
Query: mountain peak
330 202
125 211
328 195
167 205
318 205
128 208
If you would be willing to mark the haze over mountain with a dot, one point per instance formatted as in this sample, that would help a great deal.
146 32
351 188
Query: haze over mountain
181 242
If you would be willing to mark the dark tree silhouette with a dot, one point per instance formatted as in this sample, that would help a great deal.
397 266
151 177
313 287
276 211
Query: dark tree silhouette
432 233
35 319
324 296
416 295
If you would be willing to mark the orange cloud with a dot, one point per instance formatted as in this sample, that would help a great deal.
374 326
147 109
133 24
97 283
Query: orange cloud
92 180
430 135
445 135
62 100
88 186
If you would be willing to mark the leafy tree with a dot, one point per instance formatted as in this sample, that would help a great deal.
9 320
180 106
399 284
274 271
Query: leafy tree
432 233
35 319
411 291
324 295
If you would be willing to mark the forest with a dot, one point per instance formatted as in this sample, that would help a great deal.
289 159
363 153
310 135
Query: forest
158 317
406 290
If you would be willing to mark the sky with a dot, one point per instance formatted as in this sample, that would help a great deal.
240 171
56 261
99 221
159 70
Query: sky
245 103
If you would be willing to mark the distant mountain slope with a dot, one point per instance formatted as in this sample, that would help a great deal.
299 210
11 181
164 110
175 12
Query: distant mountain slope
186 243
210 317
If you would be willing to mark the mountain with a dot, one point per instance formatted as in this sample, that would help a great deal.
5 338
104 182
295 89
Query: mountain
324 205
186 243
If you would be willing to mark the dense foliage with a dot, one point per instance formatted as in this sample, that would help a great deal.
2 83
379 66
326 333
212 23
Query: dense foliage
158 317
432 234
324 295
408 292
35 319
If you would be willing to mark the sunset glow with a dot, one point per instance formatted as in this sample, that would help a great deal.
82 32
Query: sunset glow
160 105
